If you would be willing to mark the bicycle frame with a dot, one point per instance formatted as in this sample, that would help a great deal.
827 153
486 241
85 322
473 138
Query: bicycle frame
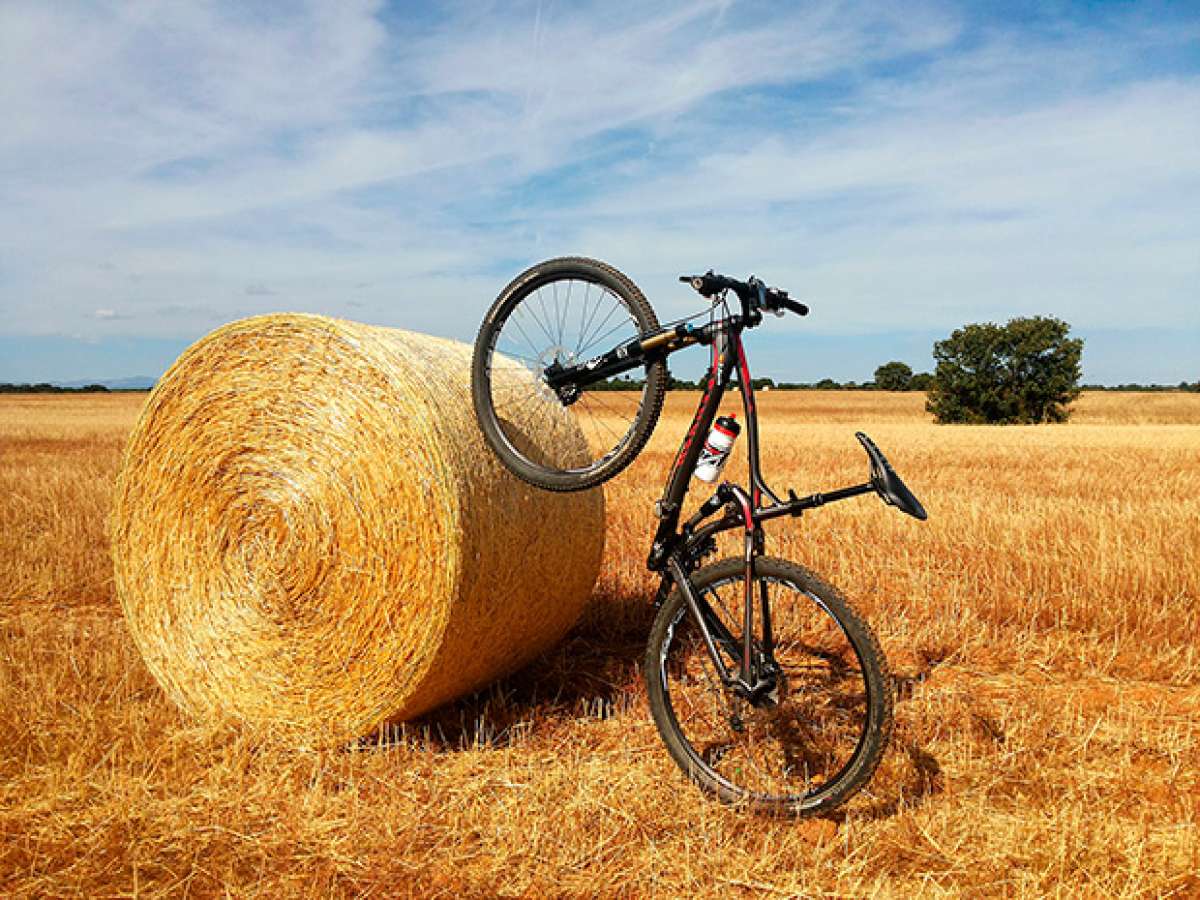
676 551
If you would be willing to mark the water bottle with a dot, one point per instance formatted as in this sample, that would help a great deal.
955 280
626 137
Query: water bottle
716 449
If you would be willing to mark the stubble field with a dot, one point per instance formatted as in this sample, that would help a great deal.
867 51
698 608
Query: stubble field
1043 627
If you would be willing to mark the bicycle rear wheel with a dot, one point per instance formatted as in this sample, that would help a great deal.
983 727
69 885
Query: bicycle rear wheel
819 736
563 312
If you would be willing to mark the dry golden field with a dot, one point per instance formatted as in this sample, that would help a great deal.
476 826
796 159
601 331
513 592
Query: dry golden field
1043 626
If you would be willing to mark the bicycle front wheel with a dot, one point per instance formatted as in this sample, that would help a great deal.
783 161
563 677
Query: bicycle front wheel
814 740
564 312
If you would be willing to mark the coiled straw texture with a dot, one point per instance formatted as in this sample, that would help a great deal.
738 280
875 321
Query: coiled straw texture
311 537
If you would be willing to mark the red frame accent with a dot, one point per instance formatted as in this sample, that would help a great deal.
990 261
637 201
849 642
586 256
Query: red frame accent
744 374
711 382
748 400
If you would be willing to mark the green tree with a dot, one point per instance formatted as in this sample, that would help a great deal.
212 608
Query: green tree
893 376
922 381
1025 371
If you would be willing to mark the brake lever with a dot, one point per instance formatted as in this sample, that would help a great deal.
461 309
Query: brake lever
696 283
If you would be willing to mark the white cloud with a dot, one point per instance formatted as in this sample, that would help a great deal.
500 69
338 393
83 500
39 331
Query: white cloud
185 163
1087 206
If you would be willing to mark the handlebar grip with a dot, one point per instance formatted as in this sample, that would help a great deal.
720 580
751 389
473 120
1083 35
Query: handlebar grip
778 300
795 306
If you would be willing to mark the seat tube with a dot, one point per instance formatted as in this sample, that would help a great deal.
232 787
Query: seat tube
745 382
747 508
748 612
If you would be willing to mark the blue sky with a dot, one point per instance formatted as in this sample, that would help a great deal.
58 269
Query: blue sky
905 168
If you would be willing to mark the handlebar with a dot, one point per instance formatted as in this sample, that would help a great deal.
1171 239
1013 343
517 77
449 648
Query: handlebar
753 293
710 284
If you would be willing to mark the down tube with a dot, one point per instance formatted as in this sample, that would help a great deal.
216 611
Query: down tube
671 504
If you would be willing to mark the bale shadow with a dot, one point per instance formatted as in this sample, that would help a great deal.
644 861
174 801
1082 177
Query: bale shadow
594 672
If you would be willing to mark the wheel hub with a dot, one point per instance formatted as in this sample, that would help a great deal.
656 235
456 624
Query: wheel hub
552 361
555 355
769 690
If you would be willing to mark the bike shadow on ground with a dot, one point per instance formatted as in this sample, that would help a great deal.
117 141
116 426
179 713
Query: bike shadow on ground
913 774
595 673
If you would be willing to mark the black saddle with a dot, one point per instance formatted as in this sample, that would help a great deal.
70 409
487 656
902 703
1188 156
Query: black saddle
887 484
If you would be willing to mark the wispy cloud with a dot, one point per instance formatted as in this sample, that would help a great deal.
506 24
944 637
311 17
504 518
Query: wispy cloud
916 167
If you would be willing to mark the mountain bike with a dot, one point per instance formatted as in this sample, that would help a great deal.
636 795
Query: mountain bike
767 687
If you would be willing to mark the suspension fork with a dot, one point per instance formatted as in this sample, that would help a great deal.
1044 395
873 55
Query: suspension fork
753 547
696 607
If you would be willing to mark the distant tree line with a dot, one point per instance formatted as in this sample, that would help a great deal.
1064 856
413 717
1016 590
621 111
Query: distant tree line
44 388
920 381
1193 387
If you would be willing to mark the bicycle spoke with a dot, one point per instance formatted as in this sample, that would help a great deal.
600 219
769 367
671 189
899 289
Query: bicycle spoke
517 325
542 306
586 329
612 330
603 322
557 314
512 354
587 287
562 319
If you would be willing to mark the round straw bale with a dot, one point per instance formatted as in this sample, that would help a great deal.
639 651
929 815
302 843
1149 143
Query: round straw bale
311 537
